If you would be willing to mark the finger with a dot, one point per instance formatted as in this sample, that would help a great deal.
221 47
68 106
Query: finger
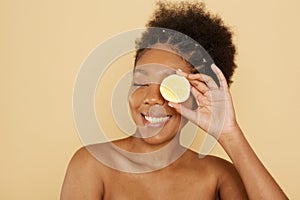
199 85
202 101
181 73
221 77
209 81
197 80
203 77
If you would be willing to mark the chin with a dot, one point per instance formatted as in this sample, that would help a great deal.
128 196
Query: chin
160 139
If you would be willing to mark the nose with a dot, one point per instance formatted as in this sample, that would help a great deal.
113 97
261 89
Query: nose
153 95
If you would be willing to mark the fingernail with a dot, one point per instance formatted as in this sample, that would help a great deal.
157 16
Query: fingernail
169 104
179 70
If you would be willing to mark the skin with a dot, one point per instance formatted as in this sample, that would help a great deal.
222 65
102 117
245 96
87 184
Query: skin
188 177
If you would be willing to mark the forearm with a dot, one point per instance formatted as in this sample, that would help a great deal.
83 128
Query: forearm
258 182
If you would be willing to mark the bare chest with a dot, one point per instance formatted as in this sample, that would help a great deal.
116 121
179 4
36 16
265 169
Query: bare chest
166 185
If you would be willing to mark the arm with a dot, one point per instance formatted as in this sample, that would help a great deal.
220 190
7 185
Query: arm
82 180
257 180
214 101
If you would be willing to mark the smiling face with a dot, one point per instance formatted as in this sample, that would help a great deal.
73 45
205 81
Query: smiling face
157 122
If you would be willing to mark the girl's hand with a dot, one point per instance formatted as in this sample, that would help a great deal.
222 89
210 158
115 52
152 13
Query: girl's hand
215 112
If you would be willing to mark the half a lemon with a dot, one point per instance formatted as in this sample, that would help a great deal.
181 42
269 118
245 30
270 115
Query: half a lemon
175 88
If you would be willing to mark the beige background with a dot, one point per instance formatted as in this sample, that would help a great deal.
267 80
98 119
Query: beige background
43 43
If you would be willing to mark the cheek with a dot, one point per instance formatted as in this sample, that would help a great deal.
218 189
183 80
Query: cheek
135 98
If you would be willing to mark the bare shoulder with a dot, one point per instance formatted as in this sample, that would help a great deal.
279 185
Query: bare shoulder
229 182
211 162
83 177
219 165
81 157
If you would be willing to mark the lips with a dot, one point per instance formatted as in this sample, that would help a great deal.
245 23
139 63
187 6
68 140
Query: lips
155 120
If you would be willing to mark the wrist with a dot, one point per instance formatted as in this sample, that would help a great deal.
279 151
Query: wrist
234 144
232 136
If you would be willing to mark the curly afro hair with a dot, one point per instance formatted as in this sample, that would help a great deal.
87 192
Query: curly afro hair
192 19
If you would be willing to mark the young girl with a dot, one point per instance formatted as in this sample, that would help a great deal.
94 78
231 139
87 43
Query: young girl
167 170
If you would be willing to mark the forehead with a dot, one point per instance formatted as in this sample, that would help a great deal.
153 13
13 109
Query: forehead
161 60
153 71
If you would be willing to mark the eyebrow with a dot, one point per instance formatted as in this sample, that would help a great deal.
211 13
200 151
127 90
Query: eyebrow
165 72
141 71
168 72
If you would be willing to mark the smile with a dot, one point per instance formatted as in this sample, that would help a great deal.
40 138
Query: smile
156 120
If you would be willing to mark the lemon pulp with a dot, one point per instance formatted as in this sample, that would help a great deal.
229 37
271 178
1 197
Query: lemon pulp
175 88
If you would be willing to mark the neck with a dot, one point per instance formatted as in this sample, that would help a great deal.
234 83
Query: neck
137 144
143 157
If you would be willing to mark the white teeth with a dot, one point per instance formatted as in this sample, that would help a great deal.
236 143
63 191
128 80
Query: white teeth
156 119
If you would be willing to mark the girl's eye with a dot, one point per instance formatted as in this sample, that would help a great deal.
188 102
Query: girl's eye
140 85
